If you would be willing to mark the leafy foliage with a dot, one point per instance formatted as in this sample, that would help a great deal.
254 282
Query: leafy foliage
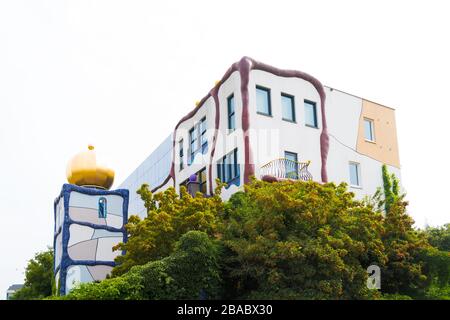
439 237
190 272
300 240
38 277
280 240
169 216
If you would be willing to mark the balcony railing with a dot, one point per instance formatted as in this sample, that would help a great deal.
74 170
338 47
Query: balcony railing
286 169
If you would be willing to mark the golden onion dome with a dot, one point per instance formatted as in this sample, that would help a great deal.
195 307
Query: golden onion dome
83 170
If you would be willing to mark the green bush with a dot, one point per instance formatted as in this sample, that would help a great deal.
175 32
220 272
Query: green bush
191 272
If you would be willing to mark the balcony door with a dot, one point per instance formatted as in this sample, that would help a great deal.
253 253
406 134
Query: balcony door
291 165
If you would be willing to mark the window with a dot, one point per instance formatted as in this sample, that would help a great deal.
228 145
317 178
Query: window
368 130
203 128
102 207
263 101
231 117
228 167
184 183
201 179
288 107
291 165
310 114
193 147
181 154
354 174
197 138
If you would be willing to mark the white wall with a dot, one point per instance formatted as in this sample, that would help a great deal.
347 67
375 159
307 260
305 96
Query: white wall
271 136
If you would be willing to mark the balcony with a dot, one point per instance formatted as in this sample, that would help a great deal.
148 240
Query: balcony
285 169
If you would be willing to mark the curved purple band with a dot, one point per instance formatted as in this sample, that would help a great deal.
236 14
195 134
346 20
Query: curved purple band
244 66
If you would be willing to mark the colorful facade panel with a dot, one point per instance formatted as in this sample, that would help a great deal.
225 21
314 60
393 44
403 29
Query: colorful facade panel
88 224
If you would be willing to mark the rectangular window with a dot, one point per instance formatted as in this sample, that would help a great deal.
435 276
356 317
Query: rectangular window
368 130
231 116
263 101
181 154
203 138
310 114
354 174
228 167
198 139
193 144
288 107
291 165
201 178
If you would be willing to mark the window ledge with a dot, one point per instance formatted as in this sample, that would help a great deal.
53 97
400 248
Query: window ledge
356 187
264 114
287 120
310 126
370 141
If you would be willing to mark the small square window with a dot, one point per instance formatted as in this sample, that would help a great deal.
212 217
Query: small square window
263 101
288 107
310 114
368 130
355 179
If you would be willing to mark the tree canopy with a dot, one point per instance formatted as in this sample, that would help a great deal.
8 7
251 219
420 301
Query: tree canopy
38 277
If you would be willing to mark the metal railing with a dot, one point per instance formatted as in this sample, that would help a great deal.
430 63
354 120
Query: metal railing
287 169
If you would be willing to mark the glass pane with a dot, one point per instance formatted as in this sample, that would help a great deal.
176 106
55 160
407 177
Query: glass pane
225 163
368 129
262 101
203 125
202 176
231 166
354 178
287 105
291 168
310 114
231 104
219 171
231 123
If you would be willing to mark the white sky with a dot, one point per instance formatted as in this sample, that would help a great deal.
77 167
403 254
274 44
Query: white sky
120 74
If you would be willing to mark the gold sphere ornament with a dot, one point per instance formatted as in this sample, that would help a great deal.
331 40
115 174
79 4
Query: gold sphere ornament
83 170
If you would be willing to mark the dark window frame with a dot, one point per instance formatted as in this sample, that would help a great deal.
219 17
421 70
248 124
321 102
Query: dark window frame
181 154
102 207
226 171
231 114
316 122
292 98
197 139
269 97
296 160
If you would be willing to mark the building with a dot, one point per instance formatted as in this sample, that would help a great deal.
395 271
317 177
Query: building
273 124
13 289
89 222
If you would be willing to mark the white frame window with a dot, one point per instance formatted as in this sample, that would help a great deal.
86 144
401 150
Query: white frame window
369 130
354 174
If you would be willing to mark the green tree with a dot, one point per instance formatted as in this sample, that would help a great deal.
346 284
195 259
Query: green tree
439 237
38 277
169 216
404 273
190 272
290 240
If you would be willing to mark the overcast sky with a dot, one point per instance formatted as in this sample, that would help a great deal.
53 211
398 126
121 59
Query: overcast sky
120 74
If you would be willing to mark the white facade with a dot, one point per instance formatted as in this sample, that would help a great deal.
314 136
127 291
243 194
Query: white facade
270 136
